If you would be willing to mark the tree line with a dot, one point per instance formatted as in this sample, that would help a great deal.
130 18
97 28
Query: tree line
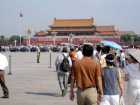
127 38
10 40
130 39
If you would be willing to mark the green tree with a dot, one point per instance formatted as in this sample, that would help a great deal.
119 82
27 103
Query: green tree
16 38
3 40
137 38
126 38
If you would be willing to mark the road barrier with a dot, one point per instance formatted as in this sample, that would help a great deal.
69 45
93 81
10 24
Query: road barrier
10 64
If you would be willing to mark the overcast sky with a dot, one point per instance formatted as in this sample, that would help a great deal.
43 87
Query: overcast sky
38 14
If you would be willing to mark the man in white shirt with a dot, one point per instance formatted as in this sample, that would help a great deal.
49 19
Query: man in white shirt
122 58
3 65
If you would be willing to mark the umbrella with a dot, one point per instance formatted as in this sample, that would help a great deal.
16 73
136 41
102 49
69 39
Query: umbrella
3 62
111 44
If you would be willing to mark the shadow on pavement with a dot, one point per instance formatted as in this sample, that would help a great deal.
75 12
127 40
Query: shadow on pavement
47 94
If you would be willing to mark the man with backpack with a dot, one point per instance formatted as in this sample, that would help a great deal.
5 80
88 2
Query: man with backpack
63 64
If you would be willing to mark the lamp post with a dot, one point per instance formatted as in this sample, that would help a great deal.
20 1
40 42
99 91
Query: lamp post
29 36
15 43
54 37
20 39
21 23
132 41
71 38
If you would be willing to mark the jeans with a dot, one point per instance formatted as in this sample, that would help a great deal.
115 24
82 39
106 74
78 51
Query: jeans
63 80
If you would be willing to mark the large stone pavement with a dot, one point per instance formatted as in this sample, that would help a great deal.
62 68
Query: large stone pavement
32 83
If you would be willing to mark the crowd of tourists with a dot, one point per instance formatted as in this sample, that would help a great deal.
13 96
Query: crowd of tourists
99 75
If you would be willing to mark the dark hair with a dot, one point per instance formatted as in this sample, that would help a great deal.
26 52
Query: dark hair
72 48
98 48
110 60
79 48
87 50
64 49
105 50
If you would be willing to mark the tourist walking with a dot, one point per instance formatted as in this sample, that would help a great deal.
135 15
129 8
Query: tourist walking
111 82
63 64
132 70
122 59
3 65
38 54
86 74
73 54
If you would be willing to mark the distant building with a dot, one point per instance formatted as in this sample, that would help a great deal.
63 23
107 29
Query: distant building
64 27
76 31
106 30
41 34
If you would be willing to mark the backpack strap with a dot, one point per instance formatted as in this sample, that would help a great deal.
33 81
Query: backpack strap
65 56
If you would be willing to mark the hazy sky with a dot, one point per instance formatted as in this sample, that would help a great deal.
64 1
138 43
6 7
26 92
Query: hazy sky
38 14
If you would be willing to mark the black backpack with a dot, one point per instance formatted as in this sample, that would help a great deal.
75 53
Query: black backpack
64 66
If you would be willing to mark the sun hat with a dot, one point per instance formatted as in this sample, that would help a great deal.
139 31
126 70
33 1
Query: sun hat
134 53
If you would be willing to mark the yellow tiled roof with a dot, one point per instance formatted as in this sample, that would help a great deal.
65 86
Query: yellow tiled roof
73 22
65 30
105 28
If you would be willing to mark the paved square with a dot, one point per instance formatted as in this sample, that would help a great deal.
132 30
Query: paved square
32 83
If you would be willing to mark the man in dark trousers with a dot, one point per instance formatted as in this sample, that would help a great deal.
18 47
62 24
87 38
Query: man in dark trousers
3 65
86 73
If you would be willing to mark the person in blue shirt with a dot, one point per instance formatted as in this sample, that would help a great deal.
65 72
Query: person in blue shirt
112 87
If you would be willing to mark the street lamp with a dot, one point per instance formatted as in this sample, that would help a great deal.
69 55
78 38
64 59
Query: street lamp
132 41
20 39
54 36
29 36
15 43
71 38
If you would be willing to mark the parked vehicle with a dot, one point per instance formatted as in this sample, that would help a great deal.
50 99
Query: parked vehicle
44 49
33 49
24 49
55 49
14 49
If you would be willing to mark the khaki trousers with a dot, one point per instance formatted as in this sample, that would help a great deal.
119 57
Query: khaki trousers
87 97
